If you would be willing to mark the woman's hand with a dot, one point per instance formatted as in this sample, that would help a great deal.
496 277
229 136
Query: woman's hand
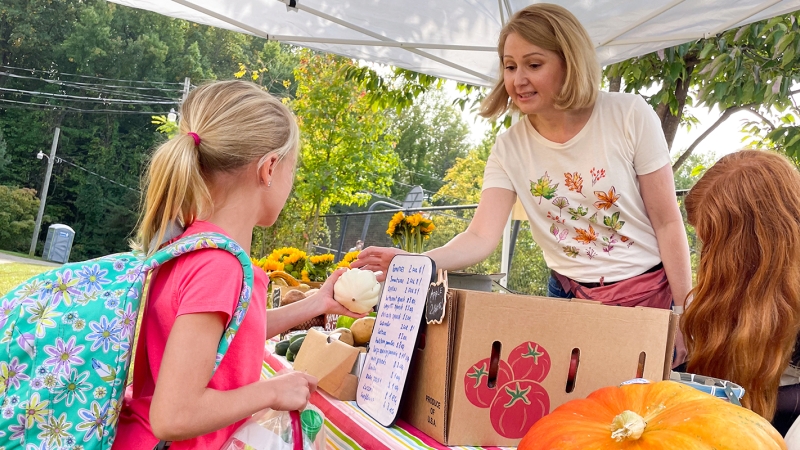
376 259
324 301
291 390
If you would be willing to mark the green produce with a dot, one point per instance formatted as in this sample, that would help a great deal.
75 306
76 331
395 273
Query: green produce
344 322
289 355
296 337
281 347
295 345
347 322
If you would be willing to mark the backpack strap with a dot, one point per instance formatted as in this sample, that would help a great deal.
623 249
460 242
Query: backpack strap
202 241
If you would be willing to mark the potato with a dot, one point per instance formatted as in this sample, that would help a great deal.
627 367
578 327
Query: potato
345 336
292 296
362 330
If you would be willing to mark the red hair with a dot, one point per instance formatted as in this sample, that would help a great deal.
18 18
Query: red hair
745 317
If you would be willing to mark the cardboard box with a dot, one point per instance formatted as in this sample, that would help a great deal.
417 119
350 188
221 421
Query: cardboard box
331 362
610 345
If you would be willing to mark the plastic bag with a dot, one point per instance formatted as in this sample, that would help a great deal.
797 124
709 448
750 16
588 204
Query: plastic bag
274 430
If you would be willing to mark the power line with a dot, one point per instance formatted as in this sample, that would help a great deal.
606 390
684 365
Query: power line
60 160
87 99
44 106
53 72
103 89
111 87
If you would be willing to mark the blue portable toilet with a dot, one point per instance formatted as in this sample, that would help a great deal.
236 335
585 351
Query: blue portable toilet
58 244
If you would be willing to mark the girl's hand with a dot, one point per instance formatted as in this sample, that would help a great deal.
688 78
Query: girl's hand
376 259
291 390
324 301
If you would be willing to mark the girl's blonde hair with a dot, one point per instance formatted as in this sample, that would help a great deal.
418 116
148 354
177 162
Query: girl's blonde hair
744 320
553 28
237 123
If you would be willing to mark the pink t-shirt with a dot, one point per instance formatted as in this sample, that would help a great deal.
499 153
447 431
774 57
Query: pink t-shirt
199 282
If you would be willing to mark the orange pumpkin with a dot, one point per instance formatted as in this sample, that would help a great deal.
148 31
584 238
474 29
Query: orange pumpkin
656 416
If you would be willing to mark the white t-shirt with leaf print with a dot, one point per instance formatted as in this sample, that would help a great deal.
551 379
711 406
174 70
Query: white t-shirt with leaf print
582 197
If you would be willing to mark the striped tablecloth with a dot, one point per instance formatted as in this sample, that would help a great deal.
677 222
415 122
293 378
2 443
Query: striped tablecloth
347 427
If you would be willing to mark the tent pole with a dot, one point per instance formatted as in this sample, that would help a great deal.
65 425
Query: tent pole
372 34
343 23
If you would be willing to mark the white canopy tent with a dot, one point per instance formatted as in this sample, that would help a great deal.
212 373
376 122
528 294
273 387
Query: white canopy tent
456 39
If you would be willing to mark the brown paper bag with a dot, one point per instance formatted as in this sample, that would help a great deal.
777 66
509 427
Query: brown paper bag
331 362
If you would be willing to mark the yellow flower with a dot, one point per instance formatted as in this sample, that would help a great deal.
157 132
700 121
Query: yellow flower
282 253
271 266
304 276
414 220
294 257
396 220
348 259
35 410
326 258
427 228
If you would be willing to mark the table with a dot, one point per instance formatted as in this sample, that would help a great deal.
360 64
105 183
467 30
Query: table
349 428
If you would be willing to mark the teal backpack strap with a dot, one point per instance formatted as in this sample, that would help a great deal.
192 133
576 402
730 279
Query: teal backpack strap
202 241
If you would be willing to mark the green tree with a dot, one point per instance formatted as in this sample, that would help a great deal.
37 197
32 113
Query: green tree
431 136
94 38
347 148
18 208
750 68
529 272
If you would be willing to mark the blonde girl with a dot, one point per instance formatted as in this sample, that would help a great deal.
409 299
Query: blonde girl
229 169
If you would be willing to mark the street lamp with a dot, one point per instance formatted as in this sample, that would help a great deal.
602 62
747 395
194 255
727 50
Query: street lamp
45 186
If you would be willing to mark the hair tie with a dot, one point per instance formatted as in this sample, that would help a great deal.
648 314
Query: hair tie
196 138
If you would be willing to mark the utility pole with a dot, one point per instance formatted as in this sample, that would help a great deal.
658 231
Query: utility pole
187 83
43 195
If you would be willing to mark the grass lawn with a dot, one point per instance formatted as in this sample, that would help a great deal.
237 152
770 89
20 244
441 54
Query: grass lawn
12 274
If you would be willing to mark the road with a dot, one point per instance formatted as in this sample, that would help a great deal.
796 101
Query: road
6 258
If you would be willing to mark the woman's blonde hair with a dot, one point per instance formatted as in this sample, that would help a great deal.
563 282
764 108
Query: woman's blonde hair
553 28
237 123
743 322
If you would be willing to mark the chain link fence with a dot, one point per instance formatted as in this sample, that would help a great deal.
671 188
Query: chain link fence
528 274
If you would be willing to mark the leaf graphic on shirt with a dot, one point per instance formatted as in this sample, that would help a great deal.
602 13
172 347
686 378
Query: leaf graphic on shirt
626 240
593 219
574 182
608 243
613 222
586 237
561 203
543 188
558 233
591 253
571 251
577 213
606 201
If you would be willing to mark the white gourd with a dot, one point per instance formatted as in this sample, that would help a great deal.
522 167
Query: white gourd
357 290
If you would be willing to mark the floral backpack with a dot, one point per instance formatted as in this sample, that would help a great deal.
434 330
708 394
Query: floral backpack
65 346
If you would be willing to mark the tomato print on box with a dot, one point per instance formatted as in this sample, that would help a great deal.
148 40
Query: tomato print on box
517 400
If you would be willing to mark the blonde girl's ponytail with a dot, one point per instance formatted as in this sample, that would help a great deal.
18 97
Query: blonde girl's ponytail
224 126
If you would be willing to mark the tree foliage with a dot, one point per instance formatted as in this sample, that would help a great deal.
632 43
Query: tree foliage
431 136
18 208
94 38
749 68
347 148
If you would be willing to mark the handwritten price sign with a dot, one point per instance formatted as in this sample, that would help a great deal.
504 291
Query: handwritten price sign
402 307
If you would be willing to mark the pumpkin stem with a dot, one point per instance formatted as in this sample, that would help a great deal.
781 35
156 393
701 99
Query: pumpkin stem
627 425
